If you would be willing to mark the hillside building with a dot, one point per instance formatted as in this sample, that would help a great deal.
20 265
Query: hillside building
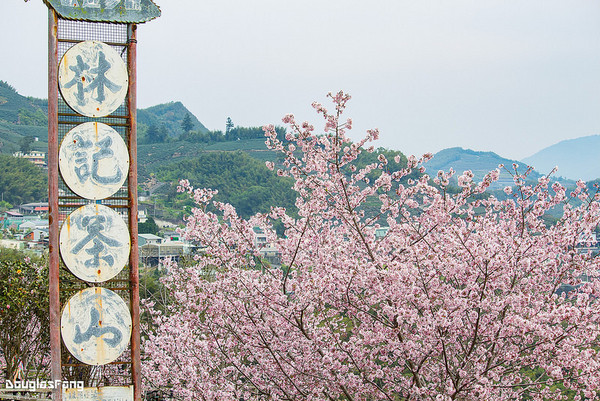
37 158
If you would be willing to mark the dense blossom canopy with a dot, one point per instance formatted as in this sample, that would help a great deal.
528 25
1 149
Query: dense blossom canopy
461 298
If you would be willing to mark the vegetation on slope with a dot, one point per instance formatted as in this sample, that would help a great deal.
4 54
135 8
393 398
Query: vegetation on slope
241 180
21 181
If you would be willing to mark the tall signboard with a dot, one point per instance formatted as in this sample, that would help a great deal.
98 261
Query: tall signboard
92 171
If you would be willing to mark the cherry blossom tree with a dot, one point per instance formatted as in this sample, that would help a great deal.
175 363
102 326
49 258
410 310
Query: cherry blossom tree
461 296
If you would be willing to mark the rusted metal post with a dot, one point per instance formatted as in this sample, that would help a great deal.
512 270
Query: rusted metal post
54 258
134 278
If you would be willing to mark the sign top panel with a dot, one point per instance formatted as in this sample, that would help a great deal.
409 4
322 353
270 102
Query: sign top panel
119 11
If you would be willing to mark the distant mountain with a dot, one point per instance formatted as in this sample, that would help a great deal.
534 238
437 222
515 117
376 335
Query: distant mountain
171 116
575 158
480 163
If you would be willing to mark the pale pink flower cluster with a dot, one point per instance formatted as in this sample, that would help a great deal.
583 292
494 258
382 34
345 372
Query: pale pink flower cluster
455 299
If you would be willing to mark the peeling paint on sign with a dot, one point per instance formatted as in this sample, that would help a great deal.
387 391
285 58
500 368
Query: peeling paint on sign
93 78
96 326
108 4
120 11
94 243
93 160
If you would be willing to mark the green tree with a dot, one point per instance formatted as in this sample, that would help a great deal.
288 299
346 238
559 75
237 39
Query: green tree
187 123
25 144
228 125
156 134
21 181
32 117
148 227
4 205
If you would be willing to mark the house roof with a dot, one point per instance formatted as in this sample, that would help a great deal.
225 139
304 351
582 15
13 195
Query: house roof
150 236
36 223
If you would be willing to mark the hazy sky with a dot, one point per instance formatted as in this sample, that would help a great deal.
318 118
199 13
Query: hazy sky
511 76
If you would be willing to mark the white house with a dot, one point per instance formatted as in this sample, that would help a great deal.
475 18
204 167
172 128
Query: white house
34 224
149 239
260 238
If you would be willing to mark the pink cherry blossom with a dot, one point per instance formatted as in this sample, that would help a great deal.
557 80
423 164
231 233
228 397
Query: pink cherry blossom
427 296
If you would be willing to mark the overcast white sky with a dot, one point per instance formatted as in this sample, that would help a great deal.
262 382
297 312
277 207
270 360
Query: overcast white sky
510 76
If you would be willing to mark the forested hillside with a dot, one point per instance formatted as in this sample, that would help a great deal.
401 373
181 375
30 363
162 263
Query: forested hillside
166 121
18 109
241 180
21 181
22 119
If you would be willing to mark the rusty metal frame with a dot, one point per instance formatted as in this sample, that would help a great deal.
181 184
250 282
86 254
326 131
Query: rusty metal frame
60 203
54 257
134 280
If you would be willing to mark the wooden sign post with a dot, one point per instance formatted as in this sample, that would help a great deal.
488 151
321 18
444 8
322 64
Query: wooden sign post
92 195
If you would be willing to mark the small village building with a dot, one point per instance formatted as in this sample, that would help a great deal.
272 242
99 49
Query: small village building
153 249
29 225
149 239
171 235
11 219
142 215
34 208
37 158
36 235
260 238
381 232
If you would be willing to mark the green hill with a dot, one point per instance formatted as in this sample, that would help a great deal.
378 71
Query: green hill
170 115
21 117
244 182
21 110
21 181
152 155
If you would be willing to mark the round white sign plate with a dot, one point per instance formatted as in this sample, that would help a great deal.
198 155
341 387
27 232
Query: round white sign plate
94 243
96 326
93 160
93 79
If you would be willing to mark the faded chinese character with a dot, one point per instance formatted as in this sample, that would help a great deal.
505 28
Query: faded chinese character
83 170
91 3
79 79
101 81
133 4
107 4
96 329
105 152
81 157
94 226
